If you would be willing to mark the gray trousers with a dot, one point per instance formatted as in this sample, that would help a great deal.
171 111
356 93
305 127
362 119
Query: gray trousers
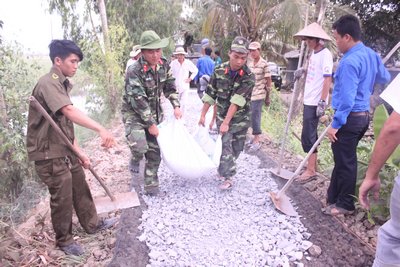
388 247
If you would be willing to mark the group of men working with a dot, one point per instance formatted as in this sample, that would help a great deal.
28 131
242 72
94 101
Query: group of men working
237 90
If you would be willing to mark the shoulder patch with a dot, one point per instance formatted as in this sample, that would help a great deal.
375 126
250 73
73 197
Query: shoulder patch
54 76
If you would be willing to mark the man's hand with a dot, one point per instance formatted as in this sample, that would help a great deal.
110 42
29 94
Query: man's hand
202 120
372 185
321 108
84 161
153 130
188 80
223 128
331 134
298 73
107 140
177 113
211 124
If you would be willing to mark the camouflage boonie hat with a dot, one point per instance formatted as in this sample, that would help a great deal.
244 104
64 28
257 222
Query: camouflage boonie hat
151 40
240 45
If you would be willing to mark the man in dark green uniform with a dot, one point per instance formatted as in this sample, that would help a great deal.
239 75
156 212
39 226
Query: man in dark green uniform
230 89
55 163
146 80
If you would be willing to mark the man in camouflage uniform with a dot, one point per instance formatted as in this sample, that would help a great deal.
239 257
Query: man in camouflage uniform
146 79
230 89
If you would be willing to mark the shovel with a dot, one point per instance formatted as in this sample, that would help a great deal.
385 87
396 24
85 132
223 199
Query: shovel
103 204
280 199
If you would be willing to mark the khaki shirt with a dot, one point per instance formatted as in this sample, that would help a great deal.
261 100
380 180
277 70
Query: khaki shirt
261 72
42 141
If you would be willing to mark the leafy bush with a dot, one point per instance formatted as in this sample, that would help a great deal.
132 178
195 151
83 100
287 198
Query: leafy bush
18 78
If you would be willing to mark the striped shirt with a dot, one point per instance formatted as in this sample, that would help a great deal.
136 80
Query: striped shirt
261 72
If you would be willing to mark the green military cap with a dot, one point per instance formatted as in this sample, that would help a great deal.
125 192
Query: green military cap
240 45
151 40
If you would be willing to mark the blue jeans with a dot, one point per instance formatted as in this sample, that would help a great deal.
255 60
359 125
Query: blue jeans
388 247
256 108
343 180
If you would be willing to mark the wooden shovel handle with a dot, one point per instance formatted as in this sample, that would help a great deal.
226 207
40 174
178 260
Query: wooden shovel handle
42 111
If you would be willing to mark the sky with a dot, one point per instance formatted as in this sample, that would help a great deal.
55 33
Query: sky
29 23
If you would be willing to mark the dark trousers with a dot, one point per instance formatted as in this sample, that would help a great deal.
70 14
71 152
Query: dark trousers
309 133
256 110
68 190
343 180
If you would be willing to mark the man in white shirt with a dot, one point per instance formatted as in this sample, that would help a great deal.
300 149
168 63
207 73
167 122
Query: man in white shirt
388 246
184 72
316 91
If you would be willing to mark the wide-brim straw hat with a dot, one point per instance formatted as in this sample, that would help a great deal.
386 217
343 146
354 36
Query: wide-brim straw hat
180 51
135 51
151 40
314 30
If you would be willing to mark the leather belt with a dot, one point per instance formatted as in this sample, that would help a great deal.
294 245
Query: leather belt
359 113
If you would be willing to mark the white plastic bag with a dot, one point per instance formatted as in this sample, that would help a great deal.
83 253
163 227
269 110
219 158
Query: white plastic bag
213 148
180 152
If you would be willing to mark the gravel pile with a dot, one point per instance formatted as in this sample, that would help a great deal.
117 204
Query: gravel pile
197 224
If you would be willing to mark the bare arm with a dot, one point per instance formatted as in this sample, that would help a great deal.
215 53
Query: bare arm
204 110
388 140
325 87
80 118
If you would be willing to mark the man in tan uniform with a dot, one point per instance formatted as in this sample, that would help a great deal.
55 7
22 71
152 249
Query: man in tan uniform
55 163
261 91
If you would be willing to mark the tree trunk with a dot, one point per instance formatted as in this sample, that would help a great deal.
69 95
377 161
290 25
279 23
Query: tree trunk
104 24
112 95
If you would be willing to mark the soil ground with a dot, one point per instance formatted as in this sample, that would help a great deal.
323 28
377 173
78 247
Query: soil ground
339 241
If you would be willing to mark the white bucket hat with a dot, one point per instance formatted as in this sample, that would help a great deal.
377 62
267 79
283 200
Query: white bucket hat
135 51
314 30
180 51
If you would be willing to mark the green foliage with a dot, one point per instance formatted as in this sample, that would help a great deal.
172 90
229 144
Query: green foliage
162 16
18 77
274 120
105 92
380 22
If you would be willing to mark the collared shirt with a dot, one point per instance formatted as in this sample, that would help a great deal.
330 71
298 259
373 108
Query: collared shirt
143 88
181 73
205 65
42 140
228 87
261 72
358 71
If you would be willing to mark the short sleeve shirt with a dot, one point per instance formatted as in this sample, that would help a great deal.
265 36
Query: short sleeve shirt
320 66
261 72
43 142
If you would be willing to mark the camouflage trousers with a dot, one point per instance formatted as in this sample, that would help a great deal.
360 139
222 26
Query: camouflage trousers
142 143
232 146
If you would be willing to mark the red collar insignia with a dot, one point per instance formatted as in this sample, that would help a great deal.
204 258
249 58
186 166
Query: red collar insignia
145 68
226 70
241 72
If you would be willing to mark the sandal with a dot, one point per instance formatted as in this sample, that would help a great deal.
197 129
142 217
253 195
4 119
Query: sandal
334 210
306 179
227 184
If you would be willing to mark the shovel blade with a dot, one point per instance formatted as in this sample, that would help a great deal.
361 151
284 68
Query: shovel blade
283 204
122 201
282 173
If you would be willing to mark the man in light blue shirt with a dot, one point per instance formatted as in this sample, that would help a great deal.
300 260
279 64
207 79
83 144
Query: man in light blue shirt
358 71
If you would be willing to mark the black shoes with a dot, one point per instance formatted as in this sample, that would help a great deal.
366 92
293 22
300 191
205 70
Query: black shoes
73 249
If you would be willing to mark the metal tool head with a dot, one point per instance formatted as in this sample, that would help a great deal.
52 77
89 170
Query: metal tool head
122 201
282 173
282 203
